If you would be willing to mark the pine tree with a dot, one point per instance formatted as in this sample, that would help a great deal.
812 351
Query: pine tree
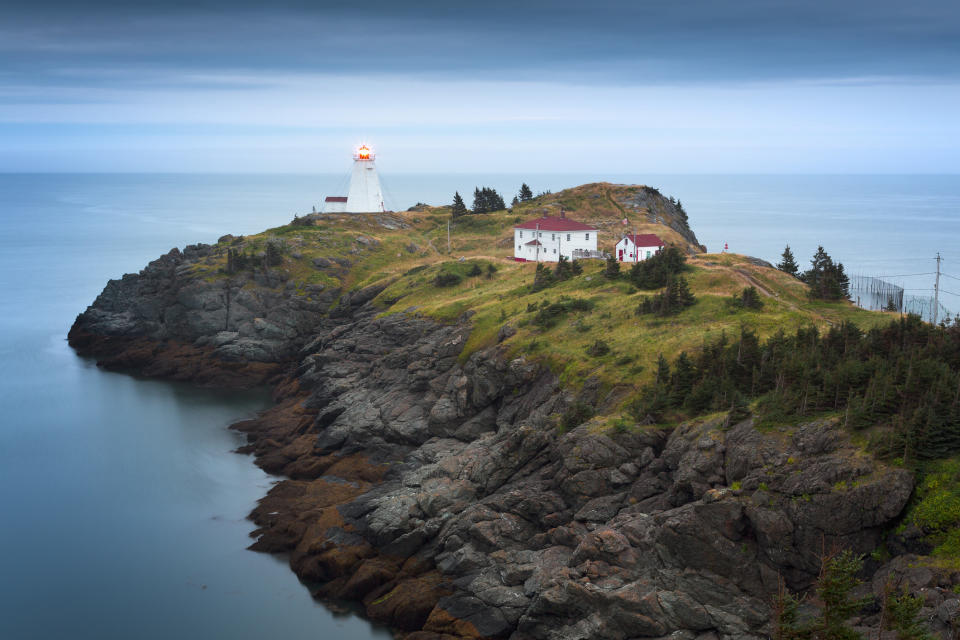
683 215
479 201
525 193
838 577
788 264
685 297
611 270
458 208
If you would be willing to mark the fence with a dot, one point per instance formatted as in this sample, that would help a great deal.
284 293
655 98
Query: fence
879 295
589 254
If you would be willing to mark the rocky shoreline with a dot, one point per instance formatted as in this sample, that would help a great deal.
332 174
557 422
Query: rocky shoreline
444 497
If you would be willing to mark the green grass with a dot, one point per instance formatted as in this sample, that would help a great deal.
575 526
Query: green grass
407 260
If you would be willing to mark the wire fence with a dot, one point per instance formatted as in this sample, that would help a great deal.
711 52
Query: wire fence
877 294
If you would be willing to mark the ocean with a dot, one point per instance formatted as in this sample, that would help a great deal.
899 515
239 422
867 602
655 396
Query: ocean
124 506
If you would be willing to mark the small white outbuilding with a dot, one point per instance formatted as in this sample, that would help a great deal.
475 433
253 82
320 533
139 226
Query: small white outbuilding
546 239
635 248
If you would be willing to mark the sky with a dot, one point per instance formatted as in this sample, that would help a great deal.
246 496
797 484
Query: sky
701 86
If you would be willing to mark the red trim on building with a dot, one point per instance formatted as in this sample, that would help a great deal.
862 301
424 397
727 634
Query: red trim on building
336 199
646 240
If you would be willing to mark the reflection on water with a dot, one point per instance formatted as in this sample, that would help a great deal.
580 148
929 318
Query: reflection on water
124 508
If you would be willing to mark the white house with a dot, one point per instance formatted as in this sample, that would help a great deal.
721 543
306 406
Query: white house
546 239
634 248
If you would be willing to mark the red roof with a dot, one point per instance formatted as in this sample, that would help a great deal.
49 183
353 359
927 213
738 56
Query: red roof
646 240
548 223
532 243
336 198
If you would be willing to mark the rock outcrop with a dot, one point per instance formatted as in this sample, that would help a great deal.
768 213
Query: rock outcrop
440 492
463 511
169 321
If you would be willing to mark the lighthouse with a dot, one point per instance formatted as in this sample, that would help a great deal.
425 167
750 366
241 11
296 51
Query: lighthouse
364 195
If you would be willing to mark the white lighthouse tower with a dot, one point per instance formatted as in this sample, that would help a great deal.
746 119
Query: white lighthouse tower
365 195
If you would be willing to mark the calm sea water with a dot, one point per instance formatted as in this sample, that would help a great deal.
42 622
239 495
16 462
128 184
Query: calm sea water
123 506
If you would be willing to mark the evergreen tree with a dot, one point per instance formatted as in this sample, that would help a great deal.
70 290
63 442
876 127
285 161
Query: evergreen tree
563 270
683 215
748 298
525 193
486 200
543 277
903 615
785 610
479 201
788 264
611 271
838 577
458 208
655 271
827 280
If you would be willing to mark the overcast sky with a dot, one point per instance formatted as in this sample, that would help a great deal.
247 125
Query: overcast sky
773 86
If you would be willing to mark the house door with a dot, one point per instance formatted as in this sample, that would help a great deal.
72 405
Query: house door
621 255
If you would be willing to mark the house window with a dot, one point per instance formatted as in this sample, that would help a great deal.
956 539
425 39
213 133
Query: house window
568 237
539 234
521 234
519 248
588 237
554 251
648 254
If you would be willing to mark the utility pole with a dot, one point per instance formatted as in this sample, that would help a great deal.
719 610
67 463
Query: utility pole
538 243
936 292
448 237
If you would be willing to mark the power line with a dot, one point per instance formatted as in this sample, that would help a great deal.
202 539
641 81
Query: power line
950 276
907 275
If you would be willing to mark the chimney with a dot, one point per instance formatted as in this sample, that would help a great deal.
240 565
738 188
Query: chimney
563 212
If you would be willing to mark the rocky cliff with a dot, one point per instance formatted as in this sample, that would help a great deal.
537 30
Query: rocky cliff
438 486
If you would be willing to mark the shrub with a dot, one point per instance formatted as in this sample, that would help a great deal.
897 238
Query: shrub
611 271
474 270
655 271
749 298
598 348
550 313
543 278
575 415
446 280
675 297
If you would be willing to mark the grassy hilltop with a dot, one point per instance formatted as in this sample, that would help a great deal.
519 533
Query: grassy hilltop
407 252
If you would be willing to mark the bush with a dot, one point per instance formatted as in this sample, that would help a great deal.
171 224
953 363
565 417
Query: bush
575 415
749 298
598 348
550 313
474 270
446 280
655 271
675 297
543 278
611 270
275 248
